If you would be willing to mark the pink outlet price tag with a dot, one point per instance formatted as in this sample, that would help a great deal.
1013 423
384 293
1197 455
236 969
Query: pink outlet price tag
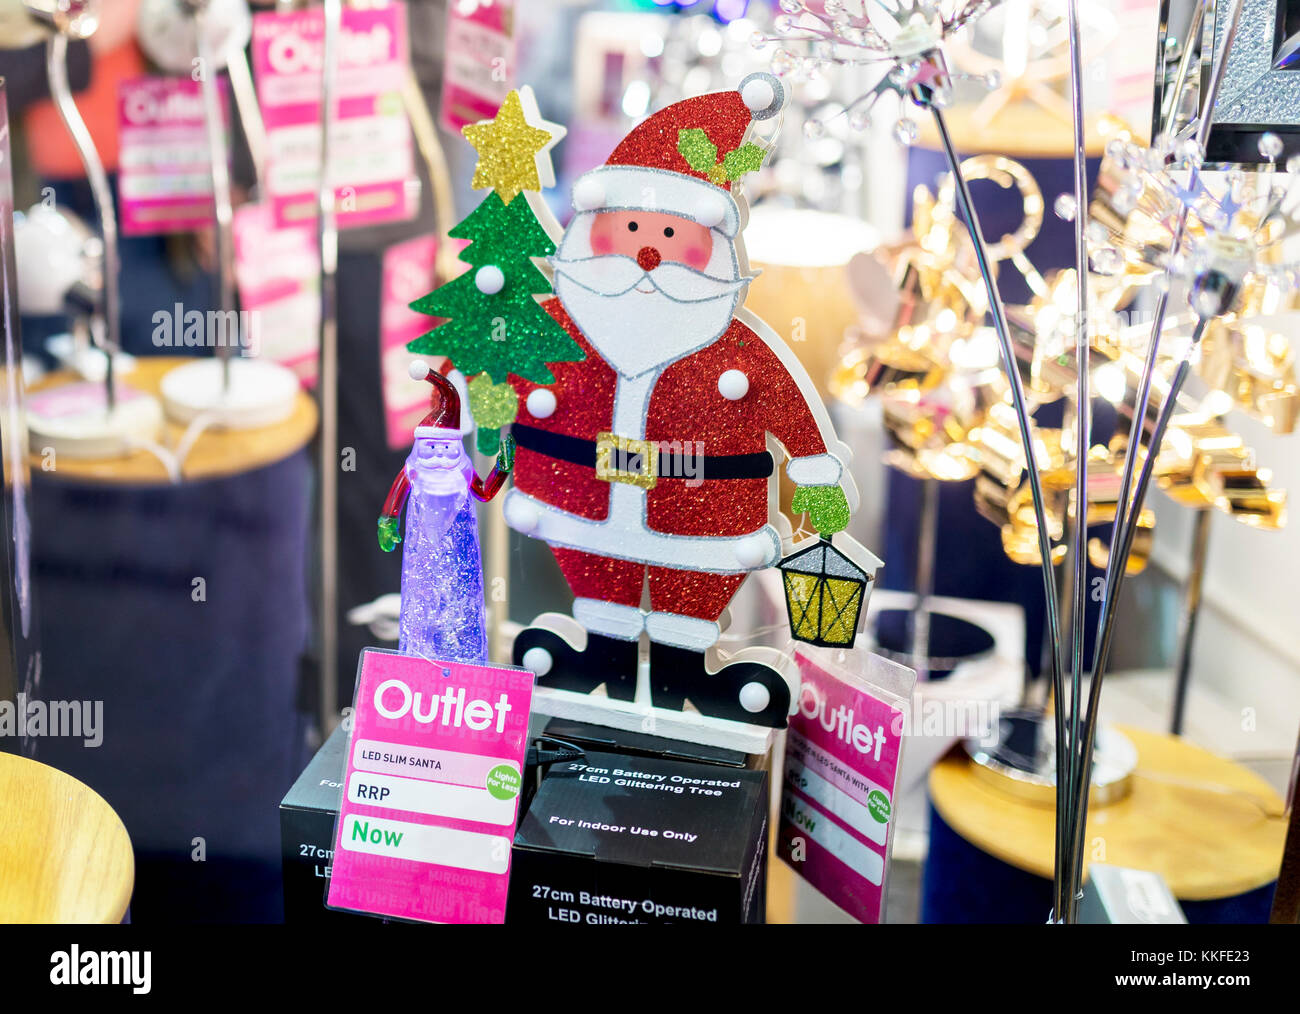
431 791
165 178
371 149
840 776
478 62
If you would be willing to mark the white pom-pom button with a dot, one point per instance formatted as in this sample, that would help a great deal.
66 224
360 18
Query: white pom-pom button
521 515
754 697
589 194
540 403
539 661
418 369
758 94
490 280
752 552
733 385
711 210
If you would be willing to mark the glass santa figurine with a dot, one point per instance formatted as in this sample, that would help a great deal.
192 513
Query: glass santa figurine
443 615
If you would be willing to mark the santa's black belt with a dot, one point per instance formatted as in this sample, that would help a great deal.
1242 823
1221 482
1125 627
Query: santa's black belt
622 459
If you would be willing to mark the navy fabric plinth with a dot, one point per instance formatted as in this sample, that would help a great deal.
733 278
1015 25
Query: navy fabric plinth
964 884
202 734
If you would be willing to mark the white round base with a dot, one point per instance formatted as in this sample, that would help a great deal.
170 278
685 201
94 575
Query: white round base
260 393
75 423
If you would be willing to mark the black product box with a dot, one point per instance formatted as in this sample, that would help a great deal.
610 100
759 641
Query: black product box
621 839
639 744
307 815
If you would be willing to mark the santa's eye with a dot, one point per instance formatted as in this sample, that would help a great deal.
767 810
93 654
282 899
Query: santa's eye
631 227
669 232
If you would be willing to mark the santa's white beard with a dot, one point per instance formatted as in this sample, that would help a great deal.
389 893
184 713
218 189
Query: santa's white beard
637 331
636 319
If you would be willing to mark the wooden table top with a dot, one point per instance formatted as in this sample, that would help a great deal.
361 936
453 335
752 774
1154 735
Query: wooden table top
216 453
65 857
1209 826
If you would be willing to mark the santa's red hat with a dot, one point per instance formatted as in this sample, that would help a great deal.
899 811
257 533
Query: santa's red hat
443 418
683 159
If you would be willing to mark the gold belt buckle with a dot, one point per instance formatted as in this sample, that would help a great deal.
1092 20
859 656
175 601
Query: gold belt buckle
608 443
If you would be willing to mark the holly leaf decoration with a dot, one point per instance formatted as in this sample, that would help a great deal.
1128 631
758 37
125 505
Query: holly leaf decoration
700 153
747 158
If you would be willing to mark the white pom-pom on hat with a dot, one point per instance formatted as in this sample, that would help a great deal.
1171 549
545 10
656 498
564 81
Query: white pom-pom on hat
418 369
763 95
589 194
711 210
758 94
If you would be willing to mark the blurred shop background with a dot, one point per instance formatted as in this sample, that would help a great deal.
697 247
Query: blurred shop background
184 597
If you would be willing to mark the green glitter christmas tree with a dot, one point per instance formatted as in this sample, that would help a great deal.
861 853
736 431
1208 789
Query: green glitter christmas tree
494 324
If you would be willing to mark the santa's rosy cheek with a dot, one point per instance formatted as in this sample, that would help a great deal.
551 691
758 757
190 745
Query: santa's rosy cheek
696 257
601 244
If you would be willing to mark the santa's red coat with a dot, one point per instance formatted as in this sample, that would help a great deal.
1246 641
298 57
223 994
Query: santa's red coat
686 412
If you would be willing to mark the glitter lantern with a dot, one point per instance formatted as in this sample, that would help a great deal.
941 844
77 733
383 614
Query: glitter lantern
825 592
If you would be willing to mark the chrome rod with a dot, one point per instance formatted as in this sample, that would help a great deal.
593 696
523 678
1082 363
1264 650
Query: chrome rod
220 163
1126 511
927 537
1120 551
56 66
1191 610
967 207
327 382
1083 406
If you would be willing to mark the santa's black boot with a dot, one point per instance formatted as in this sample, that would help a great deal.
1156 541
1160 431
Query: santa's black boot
747 692
558 664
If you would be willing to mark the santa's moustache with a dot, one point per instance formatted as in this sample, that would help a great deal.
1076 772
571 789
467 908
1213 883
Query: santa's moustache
615 274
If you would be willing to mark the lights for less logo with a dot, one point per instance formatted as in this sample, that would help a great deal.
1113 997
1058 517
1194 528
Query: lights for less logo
504 782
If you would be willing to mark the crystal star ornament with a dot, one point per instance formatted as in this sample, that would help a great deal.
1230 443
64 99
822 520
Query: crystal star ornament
514 148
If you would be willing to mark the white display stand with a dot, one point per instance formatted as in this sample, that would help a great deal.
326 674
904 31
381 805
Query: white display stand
261 393
641 716
74 422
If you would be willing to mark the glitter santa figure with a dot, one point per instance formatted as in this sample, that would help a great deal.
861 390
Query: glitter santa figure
651 464
442 614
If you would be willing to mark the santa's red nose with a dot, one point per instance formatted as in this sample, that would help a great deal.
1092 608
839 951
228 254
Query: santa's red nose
648 258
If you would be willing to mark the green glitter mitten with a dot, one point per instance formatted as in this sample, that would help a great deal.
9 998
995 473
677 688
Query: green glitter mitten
826 506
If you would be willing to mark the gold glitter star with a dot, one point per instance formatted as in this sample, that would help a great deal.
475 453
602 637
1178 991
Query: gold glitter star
514 147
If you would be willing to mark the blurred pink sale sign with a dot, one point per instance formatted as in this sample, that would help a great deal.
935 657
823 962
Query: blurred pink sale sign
165 178
841 772
372 162
431 790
